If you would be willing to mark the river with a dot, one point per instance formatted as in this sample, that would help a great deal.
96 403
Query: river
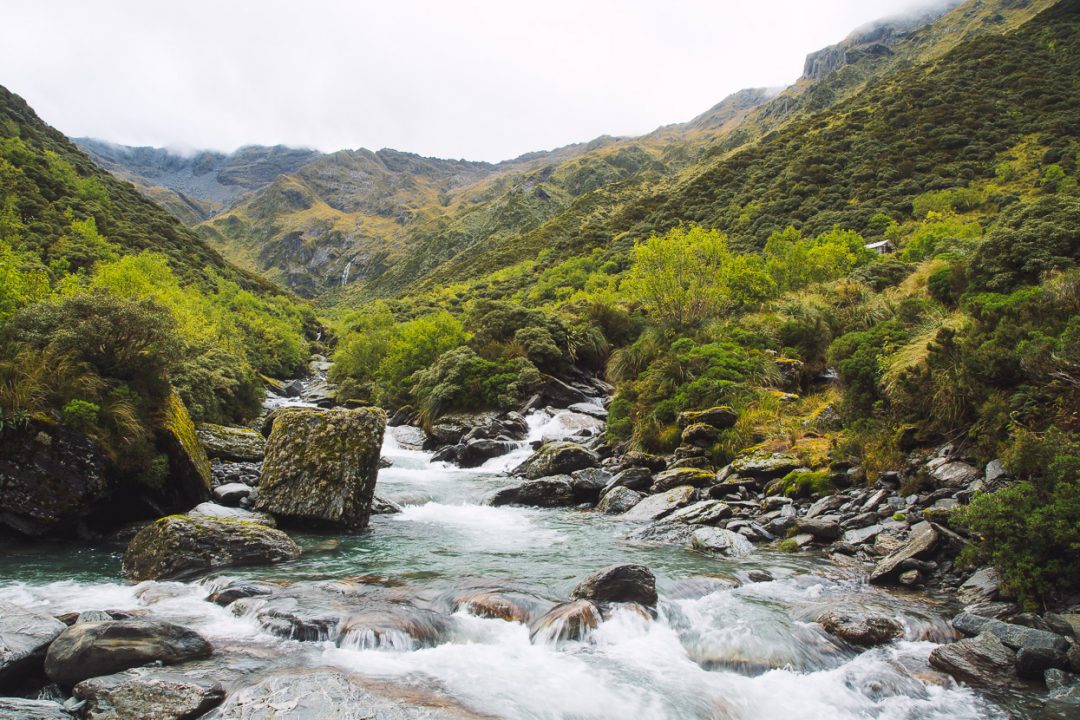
723 645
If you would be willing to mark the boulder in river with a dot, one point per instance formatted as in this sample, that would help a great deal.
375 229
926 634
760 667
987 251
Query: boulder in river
148 693
558 458
635 478
87 650
180 545
618 500
321 466
477 452
231 494
860 628
1014 636
24 637
567 621
718 540
554 491
232 444
409 437
618 584
983 661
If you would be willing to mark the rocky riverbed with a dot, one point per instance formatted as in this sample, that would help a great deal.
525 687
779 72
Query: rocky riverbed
532 573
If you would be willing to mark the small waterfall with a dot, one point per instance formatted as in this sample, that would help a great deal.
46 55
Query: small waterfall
345 273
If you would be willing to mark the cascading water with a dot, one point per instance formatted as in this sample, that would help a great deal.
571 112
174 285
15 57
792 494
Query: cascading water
345 274
720 647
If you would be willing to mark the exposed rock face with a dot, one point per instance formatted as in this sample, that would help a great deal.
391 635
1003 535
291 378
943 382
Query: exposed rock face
50 478
618 584
330 694
921 543
560 458
982 661
148 694
233 444
618 500
189 467
860 628
321 465
24 637
180 545
91 649
718 540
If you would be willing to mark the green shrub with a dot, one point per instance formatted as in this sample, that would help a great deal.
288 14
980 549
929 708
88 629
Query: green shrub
1030 531
80 414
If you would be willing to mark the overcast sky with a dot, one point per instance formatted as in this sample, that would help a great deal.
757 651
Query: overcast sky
484 80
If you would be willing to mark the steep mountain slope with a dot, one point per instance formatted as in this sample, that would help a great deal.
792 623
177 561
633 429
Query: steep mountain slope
194 187
46 183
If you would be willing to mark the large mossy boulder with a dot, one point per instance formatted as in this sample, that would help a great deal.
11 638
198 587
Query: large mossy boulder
231 444
558 458
92 649
720 417
51 477
321 465
181 545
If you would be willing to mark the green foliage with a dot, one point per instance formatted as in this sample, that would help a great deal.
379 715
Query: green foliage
857 357
938 233
945 202
801 484
462 380
1030 530
80 414
1028 240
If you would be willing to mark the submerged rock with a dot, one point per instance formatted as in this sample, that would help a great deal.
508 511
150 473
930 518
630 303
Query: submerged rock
568 621
87 650
321 466
860 628
180 545
560 458
24 637
148 694
618 584
232 444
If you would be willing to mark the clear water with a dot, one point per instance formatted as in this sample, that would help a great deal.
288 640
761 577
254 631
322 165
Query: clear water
722 647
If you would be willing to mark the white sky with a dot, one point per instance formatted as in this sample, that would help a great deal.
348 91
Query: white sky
480 79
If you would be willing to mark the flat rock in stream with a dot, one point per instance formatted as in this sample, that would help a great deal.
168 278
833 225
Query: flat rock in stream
557 458
1014 636
148 694
180 545
983 661
91 649
718 540
921 543
330 694
860 628
24 637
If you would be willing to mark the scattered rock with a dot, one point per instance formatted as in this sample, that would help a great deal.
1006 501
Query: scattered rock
822 528
232 444
765 466
695 477
858 536
634 478
984 585
588 408
1032 663
180 545
24 637
953 475
237 589
1014 636
704 512
231 494
555 491
860 628
12 708
718 540
87 650
720 417
321 466
921 543
661 504
700 435
477 452
618 584
148 694
983 661
557 458
589 483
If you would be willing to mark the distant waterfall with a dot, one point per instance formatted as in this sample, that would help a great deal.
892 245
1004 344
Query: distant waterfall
345 273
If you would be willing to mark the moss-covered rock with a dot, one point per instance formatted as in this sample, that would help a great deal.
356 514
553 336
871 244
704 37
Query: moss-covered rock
51 477
232 444
321 465
695 477
189 467
180 545
559 458
720 417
